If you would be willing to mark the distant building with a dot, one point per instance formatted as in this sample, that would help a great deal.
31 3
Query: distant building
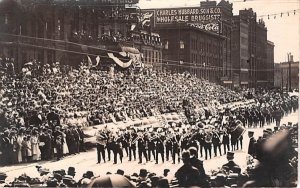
68 31
194 50
197 39
282 76
252 53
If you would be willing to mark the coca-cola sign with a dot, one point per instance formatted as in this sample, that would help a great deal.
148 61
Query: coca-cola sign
215 27
204 18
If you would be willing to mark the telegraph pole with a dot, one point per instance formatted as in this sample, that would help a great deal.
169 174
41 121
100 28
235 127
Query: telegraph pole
290 70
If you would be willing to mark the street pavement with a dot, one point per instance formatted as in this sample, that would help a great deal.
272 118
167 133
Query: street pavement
87 161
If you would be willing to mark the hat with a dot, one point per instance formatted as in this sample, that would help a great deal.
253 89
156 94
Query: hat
43 171
185 155
230 155
121 172
193 149
3 176
89 174
71 171
166 171
143 173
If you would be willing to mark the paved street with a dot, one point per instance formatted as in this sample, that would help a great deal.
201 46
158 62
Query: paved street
87 161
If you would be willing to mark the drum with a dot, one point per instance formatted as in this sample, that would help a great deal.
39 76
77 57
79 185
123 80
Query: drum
238 131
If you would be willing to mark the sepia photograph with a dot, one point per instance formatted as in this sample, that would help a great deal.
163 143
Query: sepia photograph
149 93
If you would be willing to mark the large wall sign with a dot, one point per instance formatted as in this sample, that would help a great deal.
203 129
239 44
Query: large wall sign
203 18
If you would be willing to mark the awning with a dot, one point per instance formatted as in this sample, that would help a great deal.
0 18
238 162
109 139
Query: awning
128 49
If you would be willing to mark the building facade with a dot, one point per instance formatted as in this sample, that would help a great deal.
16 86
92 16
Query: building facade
193 50
68 32
253 54
287 75
240 52
185 31
270 63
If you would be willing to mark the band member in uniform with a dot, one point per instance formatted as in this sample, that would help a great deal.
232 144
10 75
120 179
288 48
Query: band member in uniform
101 143
201 140
125 143
216 142
168 148
176 148
241 141
160 149
193 143
132 145
225 141
151 147
109 145
142 149
252 144
117 148
207 146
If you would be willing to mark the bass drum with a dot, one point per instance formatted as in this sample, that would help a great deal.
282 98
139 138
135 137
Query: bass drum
238 131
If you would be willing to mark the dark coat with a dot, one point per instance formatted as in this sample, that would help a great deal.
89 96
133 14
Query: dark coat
231 166
187 176
199 165
251 148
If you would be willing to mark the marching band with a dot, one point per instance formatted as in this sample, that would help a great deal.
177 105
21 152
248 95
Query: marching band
225 128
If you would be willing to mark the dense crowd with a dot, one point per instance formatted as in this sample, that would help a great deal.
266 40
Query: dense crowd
44 108
275 153
40 105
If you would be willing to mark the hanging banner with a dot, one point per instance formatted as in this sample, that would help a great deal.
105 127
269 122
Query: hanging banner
118 61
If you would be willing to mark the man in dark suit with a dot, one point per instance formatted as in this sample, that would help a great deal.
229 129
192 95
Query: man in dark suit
195 162
187 175
231 166
252 143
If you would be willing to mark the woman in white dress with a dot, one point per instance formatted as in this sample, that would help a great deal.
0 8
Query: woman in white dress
65 146
19 148
36 153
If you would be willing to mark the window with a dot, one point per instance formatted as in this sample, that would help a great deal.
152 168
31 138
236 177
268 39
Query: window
58 25
181 44
167 45
6 19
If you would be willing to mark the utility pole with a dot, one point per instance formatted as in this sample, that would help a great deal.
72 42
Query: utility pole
290 59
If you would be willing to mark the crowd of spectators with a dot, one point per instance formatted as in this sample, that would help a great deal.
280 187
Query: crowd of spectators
95 97
277 155
85 38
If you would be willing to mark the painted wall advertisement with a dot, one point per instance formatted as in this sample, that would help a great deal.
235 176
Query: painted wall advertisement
203 18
